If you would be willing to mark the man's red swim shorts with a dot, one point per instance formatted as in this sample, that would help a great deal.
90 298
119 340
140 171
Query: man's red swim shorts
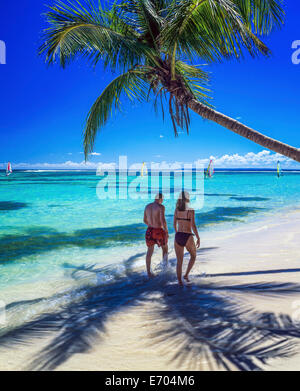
156 236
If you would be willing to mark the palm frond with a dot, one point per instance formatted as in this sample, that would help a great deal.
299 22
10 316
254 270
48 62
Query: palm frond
132 84
76 29
196 81
261 16
210 29
147 18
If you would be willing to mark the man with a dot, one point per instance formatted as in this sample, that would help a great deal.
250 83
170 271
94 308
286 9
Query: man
157 232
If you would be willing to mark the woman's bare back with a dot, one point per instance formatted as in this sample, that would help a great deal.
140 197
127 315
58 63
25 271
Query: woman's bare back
184 220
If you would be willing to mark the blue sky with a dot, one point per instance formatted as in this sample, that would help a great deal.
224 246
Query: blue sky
43 109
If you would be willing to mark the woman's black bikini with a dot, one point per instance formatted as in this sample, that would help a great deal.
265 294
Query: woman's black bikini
181 238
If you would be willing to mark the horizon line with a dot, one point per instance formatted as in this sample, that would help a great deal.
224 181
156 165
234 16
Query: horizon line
187 170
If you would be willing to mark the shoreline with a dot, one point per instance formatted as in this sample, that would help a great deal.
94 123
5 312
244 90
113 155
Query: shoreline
265 251
218 232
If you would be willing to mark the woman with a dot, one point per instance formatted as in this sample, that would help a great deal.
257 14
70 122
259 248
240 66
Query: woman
184 223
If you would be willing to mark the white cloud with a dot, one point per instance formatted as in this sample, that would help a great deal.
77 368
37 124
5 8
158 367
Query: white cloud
161 136
68 165
92 153
95 154
262 159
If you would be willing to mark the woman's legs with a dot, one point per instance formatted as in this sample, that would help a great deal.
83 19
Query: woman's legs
191 247
179 250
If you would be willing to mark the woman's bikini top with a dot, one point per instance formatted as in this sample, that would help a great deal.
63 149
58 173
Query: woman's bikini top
179 218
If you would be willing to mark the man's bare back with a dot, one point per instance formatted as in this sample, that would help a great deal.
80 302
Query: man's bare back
153 215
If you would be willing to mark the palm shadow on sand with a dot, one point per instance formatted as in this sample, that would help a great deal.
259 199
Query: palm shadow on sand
206 323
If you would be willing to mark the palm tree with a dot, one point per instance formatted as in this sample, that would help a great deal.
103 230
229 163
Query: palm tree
153 45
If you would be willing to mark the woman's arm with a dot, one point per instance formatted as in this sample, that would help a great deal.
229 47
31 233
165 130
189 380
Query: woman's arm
195 230
175 221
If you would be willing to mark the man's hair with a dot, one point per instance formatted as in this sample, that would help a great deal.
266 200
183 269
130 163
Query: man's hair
159 196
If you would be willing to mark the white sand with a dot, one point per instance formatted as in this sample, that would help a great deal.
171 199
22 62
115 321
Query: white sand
271 245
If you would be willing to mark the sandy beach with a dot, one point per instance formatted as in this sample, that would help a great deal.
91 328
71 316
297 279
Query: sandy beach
254 267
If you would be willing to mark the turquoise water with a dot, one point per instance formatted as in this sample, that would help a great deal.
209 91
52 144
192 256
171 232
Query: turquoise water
51 220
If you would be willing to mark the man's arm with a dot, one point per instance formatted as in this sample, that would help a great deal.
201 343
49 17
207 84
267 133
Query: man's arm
163 219
145 217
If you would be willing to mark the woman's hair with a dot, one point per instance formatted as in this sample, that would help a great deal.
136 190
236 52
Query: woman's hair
183 199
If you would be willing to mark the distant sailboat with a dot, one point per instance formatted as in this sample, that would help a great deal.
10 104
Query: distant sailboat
8 169
210 170
144 170
279 171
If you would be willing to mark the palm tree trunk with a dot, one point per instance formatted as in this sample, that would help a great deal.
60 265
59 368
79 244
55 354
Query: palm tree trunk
243 130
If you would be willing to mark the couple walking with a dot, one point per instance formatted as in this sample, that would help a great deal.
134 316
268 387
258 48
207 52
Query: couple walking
184 225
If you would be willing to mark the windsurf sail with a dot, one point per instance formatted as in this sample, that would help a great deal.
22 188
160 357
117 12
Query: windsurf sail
279 171
210 169
8 169
144 170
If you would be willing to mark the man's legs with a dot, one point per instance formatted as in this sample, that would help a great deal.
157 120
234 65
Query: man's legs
148 260
165 254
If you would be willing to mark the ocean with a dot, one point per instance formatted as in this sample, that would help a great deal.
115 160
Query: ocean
53 224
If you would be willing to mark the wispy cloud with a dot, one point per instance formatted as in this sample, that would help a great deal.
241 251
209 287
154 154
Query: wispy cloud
262 159
68 165
92 153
